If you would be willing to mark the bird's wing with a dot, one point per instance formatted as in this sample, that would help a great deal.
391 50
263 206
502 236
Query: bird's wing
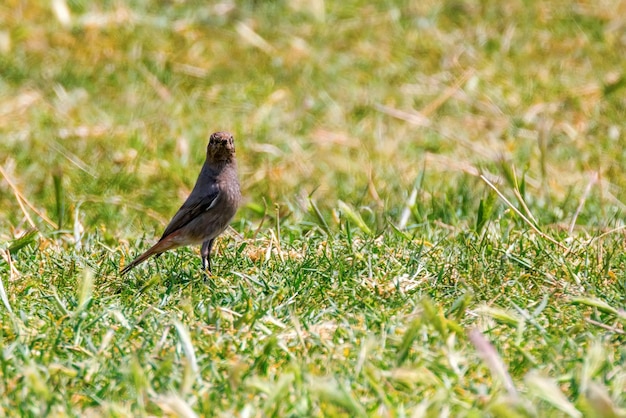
193 207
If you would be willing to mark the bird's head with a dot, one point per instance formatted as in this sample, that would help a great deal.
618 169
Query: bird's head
221 147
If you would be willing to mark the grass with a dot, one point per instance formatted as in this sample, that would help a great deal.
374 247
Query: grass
433 223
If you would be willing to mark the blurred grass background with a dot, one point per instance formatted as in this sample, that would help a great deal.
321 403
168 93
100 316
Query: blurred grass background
347 101
361 129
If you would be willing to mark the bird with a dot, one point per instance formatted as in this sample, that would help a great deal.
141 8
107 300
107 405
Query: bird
208 210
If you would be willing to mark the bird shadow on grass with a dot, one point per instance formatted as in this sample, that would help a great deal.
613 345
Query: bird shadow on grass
170 274
177 276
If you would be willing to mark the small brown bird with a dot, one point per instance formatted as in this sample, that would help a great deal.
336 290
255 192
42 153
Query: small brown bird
209 208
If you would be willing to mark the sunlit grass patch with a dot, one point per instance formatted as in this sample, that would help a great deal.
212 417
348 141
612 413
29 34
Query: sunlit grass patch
433 218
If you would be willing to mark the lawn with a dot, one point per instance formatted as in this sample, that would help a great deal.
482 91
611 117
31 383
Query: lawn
433 220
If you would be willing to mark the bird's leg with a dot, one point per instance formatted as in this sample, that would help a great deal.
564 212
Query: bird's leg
205 252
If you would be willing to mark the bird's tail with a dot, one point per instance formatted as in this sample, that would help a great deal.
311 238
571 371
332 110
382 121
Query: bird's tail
156 249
